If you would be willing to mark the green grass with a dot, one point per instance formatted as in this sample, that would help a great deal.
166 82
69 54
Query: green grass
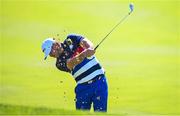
141 57
6 109
10 109
16 110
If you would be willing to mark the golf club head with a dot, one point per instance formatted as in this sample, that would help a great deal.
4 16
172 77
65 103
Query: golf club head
131 6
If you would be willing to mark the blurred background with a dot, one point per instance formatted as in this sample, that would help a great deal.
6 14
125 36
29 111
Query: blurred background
141 57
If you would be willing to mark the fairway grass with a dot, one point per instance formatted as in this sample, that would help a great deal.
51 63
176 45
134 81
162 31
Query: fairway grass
15 109
24 110
141 57
27 110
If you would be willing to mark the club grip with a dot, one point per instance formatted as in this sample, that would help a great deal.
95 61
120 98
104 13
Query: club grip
96 47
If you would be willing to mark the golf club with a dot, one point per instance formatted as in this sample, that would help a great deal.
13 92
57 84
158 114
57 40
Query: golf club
131 7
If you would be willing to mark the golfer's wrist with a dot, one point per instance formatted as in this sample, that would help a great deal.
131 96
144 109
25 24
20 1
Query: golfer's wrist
84 54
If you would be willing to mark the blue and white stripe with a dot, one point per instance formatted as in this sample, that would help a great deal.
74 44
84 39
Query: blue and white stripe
87 70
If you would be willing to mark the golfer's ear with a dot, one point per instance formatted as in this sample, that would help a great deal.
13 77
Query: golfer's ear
86 43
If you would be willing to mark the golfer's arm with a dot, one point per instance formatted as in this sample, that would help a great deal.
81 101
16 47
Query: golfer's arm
86 44
76 60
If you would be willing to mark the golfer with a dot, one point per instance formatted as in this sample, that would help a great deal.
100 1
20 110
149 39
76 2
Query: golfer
76 56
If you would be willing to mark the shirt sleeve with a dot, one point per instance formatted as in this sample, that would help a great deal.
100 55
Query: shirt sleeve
61 65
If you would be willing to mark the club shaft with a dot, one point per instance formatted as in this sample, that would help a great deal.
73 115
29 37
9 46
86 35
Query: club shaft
113 29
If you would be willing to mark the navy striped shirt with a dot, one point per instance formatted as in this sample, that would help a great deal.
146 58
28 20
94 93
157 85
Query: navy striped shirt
88 69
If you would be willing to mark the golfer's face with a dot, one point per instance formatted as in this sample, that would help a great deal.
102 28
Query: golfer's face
56 50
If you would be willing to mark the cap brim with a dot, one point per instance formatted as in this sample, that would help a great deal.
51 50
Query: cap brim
45 58
46 52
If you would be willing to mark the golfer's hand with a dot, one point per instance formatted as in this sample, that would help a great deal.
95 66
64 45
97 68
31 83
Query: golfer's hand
89 52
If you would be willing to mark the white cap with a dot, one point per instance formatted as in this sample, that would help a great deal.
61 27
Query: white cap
47 46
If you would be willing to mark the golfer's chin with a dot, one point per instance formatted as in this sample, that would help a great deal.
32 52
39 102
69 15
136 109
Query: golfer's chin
54 56
58 54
